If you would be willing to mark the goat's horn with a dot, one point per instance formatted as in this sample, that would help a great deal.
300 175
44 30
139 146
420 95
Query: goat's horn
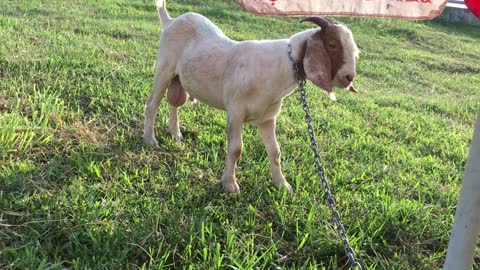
320 21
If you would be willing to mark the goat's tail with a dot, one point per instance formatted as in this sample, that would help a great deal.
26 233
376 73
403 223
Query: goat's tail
162 12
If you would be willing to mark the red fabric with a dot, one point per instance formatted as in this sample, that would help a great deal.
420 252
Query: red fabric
399 9
474 7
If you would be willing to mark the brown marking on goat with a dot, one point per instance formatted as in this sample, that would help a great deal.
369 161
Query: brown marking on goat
176 93
316 62
324 54
334 46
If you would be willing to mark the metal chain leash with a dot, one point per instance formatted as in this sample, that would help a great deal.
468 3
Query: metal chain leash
330 201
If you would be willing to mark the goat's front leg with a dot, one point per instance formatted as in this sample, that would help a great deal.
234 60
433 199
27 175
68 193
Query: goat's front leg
267 131
234 134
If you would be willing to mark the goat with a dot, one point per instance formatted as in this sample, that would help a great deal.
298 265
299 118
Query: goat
248 79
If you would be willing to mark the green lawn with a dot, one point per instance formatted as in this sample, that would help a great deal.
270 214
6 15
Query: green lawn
79 190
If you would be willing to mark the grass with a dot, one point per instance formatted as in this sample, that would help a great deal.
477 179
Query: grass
78 189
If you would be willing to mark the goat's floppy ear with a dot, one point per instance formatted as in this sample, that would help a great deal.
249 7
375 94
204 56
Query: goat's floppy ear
316 62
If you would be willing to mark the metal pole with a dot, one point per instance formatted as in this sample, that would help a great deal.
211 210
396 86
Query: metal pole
466 227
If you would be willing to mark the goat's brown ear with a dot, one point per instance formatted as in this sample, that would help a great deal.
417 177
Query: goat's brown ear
316 62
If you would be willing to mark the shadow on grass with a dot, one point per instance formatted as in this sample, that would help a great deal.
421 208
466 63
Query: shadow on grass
66 208
458 29
52 210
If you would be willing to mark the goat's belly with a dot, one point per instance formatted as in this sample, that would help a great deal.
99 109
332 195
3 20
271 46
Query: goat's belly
210 100
257 114
202 82
210 96
203 87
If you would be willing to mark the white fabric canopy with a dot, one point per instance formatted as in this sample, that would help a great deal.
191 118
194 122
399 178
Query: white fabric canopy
399 9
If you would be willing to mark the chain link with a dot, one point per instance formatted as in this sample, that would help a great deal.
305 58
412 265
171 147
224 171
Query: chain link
330 201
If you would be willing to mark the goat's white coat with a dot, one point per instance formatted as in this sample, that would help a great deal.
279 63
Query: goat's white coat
248 79
351 54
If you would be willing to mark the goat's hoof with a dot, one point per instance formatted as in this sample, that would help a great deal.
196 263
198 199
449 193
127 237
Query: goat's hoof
150 140
231 187
285 185
177 136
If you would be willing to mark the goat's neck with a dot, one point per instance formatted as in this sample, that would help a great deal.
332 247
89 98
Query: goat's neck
298 42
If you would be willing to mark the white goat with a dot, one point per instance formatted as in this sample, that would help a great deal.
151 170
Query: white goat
248 79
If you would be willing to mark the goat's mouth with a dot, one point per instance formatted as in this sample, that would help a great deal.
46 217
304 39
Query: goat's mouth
345 84
342 83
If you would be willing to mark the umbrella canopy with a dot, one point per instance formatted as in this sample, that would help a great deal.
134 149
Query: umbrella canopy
399 9
474 7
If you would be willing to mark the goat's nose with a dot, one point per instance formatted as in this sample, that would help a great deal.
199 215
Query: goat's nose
350 77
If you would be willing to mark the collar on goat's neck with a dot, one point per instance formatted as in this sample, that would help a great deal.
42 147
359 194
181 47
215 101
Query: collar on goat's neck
297 66
296 52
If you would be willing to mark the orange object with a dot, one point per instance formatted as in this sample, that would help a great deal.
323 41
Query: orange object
352 89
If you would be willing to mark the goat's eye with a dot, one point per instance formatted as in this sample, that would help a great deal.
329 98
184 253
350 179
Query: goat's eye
332 45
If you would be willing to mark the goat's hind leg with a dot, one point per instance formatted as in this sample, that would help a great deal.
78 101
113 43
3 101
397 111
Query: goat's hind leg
163 75
176 97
